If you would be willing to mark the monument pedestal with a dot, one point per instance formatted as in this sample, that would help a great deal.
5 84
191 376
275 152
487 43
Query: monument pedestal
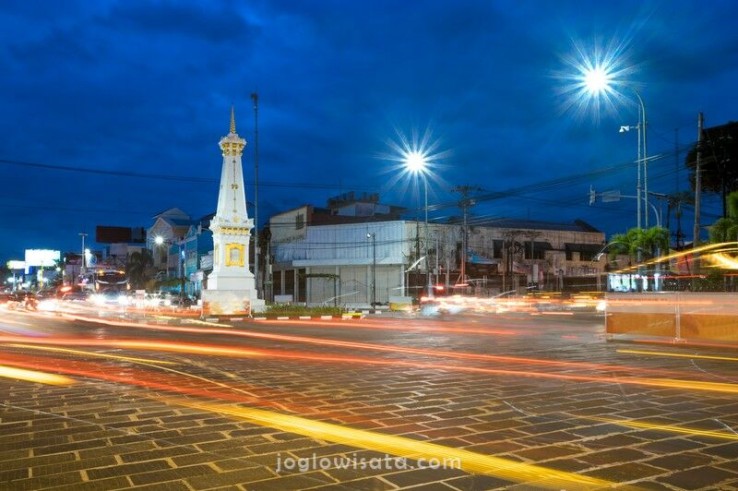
231 296
231 303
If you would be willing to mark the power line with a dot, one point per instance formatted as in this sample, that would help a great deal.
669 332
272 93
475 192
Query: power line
168 177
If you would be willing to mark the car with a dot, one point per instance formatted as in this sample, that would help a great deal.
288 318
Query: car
12 299
183 302
110 298
75 296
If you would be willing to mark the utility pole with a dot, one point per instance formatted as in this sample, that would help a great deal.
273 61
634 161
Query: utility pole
255 98
698 182
465 203
697 193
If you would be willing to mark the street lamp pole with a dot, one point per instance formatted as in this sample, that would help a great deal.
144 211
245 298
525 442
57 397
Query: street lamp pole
642 162
643 155
180 264
598 83
639 211
159 240
83 268
427 239
373 237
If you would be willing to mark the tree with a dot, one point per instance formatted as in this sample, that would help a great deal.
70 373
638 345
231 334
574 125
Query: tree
5 272
641 244
140 268
718 161
676 202
726 229
655 240
649 242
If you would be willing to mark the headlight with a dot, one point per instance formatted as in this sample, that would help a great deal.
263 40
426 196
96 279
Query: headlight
47 305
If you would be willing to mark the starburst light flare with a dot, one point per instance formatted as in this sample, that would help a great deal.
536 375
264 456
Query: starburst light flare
595 78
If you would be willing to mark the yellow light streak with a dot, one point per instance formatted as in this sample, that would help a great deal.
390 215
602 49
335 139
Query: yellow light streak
722 435
722 260
473 462
93 354
34 376
727 246
685 384
677 355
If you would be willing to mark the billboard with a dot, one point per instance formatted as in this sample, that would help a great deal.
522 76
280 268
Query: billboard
16 265
120 235
45 258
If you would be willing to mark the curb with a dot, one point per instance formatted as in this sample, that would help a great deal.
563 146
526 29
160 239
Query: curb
347 316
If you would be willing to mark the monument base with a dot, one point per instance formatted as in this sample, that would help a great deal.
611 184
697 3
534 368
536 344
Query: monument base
231 302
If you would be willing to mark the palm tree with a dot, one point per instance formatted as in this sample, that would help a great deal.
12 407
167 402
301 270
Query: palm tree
140 268
648 242
726 229
654 240
641 244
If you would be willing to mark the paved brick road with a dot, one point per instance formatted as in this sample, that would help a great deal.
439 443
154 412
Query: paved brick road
547 392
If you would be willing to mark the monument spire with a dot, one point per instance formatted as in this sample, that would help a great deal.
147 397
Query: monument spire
233 120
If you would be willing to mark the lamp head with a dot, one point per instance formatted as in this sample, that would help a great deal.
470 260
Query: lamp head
597 80
415 161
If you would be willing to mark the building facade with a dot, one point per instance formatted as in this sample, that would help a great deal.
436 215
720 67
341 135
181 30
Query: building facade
337 257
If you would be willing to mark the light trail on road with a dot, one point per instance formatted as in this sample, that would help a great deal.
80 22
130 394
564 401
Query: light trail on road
538 476
678 355
684 430
34 376
579 365
383 325
228 351
93 354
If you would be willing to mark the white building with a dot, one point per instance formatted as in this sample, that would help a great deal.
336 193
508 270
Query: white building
356 252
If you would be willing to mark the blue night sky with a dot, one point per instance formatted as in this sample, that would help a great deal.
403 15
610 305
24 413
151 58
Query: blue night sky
112 110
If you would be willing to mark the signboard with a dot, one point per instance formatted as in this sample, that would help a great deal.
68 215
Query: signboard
16 265
44 258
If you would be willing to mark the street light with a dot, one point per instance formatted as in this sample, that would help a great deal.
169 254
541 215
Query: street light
598 82
159 240
416 163
373 238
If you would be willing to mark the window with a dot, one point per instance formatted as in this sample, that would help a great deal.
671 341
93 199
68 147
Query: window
498 246
536 250
299 221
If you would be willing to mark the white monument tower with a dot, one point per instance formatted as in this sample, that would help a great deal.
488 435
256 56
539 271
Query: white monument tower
231 287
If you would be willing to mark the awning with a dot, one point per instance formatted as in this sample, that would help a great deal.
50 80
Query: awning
592 248
539 246
474 258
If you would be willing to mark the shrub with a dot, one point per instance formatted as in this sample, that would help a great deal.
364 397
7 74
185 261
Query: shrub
297 310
